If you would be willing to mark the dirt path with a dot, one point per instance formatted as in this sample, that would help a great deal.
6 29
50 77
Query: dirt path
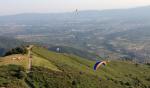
29 57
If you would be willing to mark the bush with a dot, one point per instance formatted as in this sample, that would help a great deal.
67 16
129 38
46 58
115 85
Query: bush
121 82
17 50
74 82
127 83
11 76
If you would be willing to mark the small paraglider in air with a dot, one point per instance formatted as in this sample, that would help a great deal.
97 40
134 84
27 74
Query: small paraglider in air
58 49
76 11
99 64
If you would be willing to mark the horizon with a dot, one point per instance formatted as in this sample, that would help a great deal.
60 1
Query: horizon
8 7
73 11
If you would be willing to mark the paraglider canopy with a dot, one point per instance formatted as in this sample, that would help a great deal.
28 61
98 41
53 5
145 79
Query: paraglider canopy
99 63
57 49
76 10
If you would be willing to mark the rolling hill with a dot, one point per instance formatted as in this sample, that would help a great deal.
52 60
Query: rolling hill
59 70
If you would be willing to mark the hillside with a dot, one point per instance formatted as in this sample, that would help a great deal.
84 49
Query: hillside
74 51
56 70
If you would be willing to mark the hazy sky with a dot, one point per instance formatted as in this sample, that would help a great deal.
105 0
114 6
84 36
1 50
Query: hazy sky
45 6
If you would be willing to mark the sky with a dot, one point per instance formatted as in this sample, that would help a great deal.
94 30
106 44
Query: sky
8 7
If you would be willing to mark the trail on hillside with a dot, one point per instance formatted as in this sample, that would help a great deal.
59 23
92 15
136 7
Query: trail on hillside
29 57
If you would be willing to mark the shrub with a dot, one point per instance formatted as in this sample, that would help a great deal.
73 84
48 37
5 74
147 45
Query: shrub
17 50
127 83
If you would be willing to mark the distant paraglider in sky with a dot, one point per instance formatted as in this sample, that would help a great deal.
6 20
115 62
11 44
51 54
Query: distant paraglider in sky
99 64
76 11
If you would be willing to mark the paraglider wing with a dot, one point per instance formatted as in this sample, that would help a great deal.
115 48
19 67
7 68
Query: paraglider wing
95 66
98 64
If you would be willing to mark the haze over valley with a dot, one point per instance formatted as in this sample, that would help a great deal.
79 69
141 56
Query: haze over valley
120 33
74 44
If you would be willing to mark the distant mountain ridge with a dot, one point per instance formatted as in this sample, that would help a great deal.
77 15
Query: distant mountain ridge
21 24
131 12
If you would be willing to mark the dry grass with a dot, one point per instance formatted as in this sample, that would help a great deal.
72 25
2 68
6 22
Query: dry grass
15 59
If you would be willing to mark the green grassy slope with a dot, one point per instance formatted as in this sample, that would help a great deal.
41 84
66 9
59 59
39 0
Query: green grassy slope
74 51
23 61
55 70
38 61
116 73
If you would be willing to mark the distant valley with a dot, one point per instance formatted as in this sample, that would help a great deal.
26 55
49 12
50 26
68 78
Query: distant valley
116 34
8 43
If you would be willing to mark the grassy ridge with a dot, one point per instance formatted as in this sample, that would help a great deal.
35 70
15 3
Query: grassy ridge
122 73
38 61
55 70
